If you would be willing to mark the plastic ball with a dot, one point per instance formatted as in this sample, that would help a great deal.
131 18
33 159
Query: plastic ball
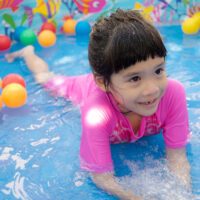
1 102
196 16
82 28
47 38
5 42
69 26
190 26
13 78
48 26
18 32
0 82
28 37
86 1
14 95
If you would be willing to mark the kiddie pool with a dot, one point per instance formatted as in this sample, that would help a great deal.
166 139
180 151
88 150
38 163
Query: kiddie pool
39 142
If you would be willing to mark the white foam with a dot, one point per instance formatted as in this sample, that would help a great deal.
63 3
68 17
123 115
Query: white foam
55 139
36 126
17 188
64 60
20 163
6 153
174 47
41 141
79 179
35 166
78 183
46 152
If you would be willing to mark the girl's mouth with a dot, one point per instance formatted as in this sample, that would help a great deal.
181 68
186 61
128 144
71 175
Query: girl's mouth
149 104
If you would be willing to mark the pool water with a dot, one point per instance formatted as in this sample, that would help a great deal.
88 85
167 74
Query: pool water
39 142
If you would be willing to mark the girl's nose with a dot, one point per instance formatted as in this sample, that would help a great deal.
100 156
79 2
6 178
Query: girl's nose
150 89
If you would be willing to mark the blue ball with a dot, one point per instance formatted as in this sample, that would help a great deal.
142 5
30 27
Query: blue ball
18 32
82 28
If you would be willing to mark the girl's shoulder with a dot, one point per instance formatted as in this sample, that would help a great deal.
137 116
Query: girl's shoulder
174 91
174 85
97 110
174 99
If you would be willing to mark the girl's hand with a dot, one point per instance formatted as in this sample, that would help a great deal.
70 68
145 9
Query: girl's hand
132 196
109 183
179 165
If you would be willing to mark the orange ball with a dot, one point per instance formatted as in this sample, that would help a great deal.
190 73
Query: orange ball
1 102
86 1
69 26
47 38
0 83
14 95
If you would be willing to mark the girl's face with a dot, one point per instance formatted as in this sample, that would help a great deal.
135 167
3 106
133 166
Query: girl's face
140 87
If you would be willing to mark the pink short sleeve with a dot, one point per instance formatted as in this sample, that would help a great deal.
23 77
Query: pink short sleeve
176 125
72 88
97 117
97 124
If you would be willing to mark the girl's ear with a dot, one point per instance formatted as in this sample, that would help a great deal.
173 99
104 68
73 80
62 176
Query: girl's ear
100 82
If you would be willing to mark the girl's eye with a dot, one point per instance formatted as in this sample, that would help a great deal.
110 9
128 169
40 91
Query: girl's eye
135 79
159 71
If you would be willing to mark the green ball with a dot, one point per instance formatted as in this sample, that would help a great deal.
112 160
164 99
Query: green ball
28 37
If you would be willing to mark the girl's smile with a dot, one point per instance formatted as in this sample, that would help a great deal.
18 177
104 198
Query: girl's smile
149 104
140 87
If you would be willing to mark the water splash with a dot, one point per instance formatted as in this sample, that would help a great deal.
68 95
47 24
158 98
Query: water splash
155 182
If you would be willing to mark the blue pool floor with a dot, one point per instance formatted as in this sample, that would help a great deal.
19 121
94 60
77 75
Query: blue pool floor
39 142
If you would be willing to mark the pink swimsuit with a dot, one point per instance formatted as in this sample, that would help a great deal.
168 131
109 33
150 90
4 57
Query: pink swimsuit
103 123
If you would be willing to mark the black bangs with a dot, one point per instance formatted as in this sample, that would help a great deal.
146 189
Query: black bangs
131 43
121 40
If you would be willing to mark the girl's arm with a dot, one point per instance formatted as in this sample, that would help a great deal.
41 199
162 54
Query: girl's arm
179 164
109 183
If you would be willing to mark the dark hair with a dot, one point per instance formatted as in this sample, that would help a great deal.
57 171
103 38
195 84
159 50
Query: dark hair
121 40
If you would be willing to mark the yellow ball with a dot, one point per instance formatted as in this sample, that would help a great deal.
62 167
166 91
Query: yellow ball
47 38
196 16
69 26
1 102
190 26
0 83
14 95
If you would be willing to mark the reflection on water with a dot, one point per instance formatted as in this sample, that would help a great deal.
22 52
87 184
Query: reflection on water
39 142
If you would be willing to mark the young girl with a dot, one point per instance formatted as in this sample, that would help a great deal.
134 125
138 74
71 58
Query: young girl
127 96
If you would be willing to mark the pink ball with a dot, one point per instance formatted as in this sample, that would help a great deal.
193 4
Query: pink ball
5 42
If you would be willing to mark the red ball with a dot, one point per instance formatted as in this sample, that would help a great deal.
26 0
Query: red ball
13 78
48 26
5 42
